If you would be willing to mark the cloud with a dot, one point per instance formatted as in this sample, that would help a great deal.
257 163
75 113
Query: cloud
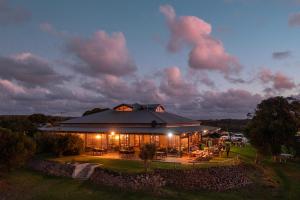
294 20
10 87
30 70
207 52
279 55
116 89
49 28
12 15
278 80
102 54
235 103
175 86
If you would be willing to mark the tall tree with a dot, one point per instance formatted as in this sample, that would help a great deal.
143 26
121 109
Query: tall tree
273 124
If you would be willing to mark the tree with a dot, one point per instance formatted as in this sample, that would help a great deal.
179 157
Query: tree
59 144
94 110
38 118
15 148
273 125
147 154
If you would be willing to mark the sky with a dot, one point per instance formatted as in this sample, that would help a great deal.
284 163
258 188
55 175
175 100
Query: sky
203 59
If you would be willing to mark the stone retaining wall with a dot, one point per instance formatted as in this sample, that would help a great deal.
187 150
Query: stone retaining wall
141 181
213 178
52 168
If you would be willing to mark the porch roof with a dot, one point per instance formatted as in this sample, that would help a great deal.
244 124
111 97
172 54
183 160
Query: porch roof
129 130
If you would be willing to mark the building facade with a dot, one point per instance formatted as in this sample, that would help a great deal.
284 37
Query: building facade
132 125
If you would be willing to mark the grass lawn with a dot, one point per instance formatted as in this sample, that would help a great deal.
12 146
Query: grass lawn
133 166
280 181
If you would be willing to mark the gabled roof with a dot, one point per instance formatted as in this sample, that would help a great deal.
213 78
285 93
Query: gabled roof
134 117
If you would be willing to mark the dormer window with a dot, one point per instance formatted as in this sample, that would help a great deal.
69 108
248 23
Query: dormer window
139 107
124 108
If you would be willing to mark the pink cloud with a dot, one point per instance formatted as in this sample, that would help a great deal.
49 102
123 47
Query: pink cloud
12 14
11 87
174 85
207 53
294 20
278 80
102 54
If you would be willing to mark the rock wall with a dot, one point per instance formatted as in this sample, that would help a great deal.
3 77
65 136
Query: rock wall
142 181
213 178
52 168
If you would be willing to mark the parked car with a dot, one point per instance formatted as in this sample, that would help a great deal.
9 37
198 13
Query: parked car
224 137
239 137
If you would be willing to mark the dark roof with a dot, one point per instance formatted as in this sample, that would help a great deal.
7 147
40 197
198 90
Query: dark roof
133 117
128 130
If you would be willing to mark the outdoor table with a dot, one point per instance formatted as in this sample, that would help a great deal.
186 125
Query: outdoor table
98 150
285 156
126 153
160 154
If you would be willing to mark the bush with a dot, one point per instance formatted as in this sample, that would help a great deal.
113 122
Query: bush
147 154
15 148
59 144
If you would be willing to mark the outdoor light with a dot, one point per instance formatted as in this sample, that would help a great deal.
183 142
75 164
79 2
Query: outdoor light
112 133
98 137
170 135
205 131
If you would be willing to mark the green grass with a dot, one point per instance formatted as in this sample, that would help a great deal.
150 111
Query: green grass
135 166
273 181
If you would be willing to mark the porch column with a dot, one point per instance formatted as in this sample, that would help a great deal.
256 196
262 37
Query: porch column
85 140
107 140
180 146
188 143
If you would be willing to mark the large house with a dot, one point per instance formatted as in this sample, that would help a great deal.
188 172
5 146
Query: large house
132 125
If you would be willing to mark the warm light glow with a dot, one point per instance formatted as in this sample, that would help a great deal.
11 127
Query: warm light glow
205 131
112 133
98 137
170 135
116 137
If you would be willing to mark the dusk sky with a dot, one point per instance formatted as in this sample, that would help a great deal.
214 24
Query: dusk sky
203 59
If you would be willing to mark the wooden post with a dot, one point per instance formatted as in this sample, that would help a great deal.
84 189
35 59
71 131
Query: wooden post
180 146
85 140
119 140
107 146
188 143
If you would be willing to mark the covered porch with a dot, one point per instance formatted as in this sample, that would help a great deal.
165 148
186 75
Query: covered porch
127 145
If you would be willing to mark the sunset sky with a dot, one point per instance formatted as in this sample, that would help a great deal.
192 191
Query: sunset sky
202 59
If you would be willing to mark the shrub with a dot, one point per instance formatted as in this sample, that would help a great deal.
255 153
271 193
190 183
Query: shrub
147 154
59 144
15 148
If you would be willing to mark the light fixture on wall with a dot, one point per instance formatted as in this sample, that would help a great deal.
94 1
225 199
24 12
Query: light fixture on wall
112 133
98 137
170 134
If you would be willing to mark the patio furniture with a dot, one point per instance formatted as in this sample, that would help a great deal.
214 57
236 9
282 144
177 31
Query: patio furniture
127 152
99 151
159 155
284 157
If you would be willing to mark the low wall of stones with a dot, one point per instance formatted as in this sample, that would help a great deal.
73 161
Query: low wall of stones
142 181
52 168
213 178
